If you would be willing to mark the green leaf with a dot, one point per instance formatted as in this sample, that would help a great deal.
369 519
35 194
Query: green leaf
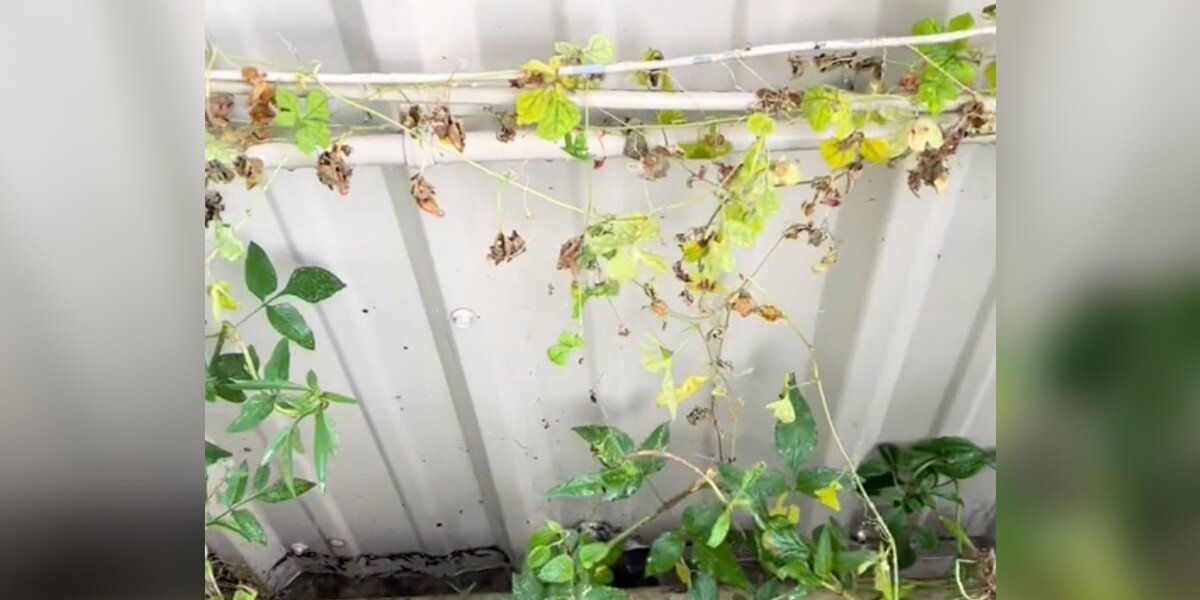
261 475
278 492
989 74
325 444
214 453
924 537
338 398
279 364
288 113
235 484
823 559
590 554
782 541
537 557
561 351
316 107
703 587
229 247
599 51
961 22
704 149
808 481
825 105
250 527
609 444
312 284
559 569
619 482
288 322
698 519
795 441
720 563
525 586
621 267
956 530
218 151
279 440
310 379
260 273
266 384
576 146
720 528
545 535
254 411
550 108
958 458
581 486
244 593
760 125
657 440
664 552
603 592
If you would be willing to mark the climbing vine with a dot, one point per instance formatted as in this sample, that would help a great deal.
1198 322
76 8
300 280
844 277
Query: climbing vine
943 99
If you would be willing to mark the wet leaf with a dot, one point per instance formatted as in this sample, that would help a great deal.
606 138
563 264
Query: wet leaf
214 453
332 169
425 196
312 284
795 441
278 492
664 552
287 321
249 526
260 273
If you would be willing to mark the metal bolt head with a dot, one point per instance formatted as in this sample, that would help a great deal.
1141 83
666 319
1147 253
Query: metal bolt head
299 548
337 543
462 317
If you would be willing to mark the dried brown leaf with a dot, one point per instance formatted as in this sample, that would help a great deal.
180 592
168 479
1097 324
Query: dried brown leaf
697 414
508 128
425 196
697 176
447 128
656 163
797 62
910 82
659 308
214 205
769 313
250 169
777 101
411 119
568 253
743 305
262 96
504 249
218 109
217 172
332 169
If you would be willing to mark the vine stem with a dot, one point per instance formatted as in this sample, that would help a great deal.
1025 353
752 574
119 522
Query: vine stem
631 66
664 507
671 457
489 172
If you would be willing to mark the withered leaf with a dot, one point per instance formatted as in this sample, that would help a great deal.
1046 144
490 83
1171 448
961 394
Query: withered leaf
655 164
797 63
777 100
504 249
769 313
697 176
697 414
743 305
623 332
218 109
412 118
687 297
508 128
910 82
262 95
425 196
447 128
568 253
251 169
332 169
659 308
214 205
635 144
218 172
680 274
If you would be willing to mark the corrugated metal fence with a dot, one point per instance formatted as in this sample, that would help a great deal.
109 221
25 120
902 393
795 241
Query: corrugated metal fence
460 430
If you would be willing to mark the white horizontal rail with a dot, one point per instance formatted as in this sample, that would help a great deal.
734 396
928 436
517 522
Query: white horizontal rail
606 99
384 79
482 146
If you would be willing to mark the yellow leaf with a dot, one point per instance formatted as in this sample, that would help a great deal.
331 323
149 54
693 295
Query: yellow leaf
672 396
875 150
835 156
537 66
783 410
656 358
692 251
690 386
924 133
221 300
828 495
682 572
784 172
782 508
